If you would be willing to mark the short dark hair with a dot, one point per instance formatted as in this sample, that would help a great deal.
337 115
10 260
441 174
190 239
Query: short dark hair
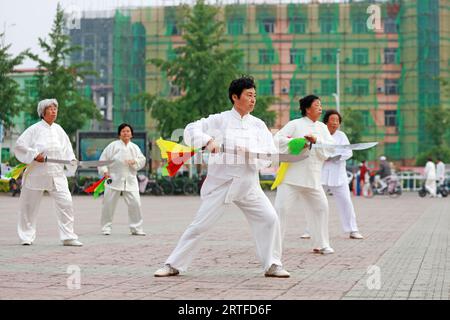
329 113
124 125
306 102
239 85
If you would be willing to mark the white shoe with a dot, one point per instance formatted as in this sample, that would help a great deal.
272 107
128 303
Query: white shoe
327 250
277 271
72 243
305 236
166 271
356 235
106 232
138 233
27 243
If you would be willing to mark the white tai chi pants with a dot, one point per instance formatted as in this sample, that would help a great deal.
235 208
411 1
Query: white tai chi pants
133 201
345 207
430 185
314 203
259 212
29 207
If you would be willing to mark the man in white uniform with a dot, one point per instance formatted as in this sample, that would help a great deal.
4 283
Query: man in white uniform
334 175
430 177
303 179
440 171
230 179
41 140
121 179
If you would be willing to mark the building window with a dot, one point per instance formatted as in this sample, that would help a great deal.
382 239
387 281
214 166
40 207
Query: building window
297 56
361 56
266 87
328 56
391 86
297 87
267 25
31 88
328 25
390 25
328 86
360 87
390 118
235 27
390 55
297 25
172 28
359 26
366 118
266 56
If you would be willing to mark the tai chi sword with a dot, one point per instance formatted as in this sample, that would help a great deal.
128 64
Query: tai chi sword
84 164
354 146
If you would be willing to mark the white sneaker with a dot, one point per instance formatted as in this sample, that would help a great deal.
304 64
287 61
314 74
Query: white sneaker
305 236
356 235
277 271
27 243
166 271
327 250
106 232
72 243
138 233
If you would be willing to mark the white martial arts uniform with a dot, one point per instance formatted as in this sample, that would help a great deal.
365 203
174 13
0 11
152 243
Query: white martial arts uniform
334 178
303 179
440 172
123 180
53 142
231 180
430 178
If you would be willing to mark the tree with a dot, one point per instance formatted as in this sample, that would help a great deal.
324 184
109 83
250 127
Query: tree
203 70
353 125
9 89
62 81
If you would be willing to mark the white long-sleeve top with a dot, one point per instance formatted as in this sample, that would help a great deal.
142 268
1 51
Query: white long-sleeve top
334 173
440 171
305 173
53 142
232 130
430 171
123 176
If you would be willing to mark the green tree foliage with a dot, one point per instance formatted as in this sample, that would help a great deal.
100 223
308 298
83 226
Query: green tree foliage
203 70
9 89
353 126
62 81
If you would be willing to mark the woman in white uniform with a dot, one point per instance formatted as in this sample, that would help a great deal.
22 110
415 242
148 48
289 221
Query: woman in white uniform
45 139
121 180
231 179
303 179
334 175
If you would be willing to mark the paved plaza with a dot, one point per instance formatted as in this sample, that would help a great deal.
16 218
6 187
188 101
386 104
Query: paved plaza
405 254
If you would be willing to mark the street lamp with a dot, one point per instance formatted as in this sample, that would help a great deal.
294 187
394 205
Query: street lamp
336 95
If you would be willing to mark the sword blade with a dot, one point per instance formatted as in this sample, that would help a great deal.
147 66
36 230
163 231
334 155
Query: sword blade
90 164
354 146
274 157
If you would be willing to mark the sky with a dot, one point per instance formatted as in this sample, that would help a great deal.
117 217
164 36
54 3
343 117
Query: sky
23 22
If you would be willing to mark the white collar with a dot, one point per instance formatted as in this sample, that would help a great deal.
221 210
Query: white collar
238 115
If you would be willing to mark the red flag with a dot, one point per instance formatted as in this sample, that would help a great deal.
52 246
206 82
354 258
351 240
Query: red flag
92 187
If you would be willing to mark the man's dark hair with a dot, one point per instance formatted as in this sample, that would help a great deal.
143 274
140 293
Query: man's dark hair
306 102
124 125
329 113
238 85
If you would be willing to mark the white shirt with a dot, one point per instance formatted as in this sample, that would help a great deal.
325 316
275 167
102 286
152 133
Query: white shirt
232 130
123 176
440 170
430 171
53 142
334 173
305 173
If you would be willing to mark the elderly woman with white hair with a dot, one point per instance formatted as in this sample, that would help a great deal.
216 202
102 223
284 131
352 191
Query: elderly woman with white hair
45 138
